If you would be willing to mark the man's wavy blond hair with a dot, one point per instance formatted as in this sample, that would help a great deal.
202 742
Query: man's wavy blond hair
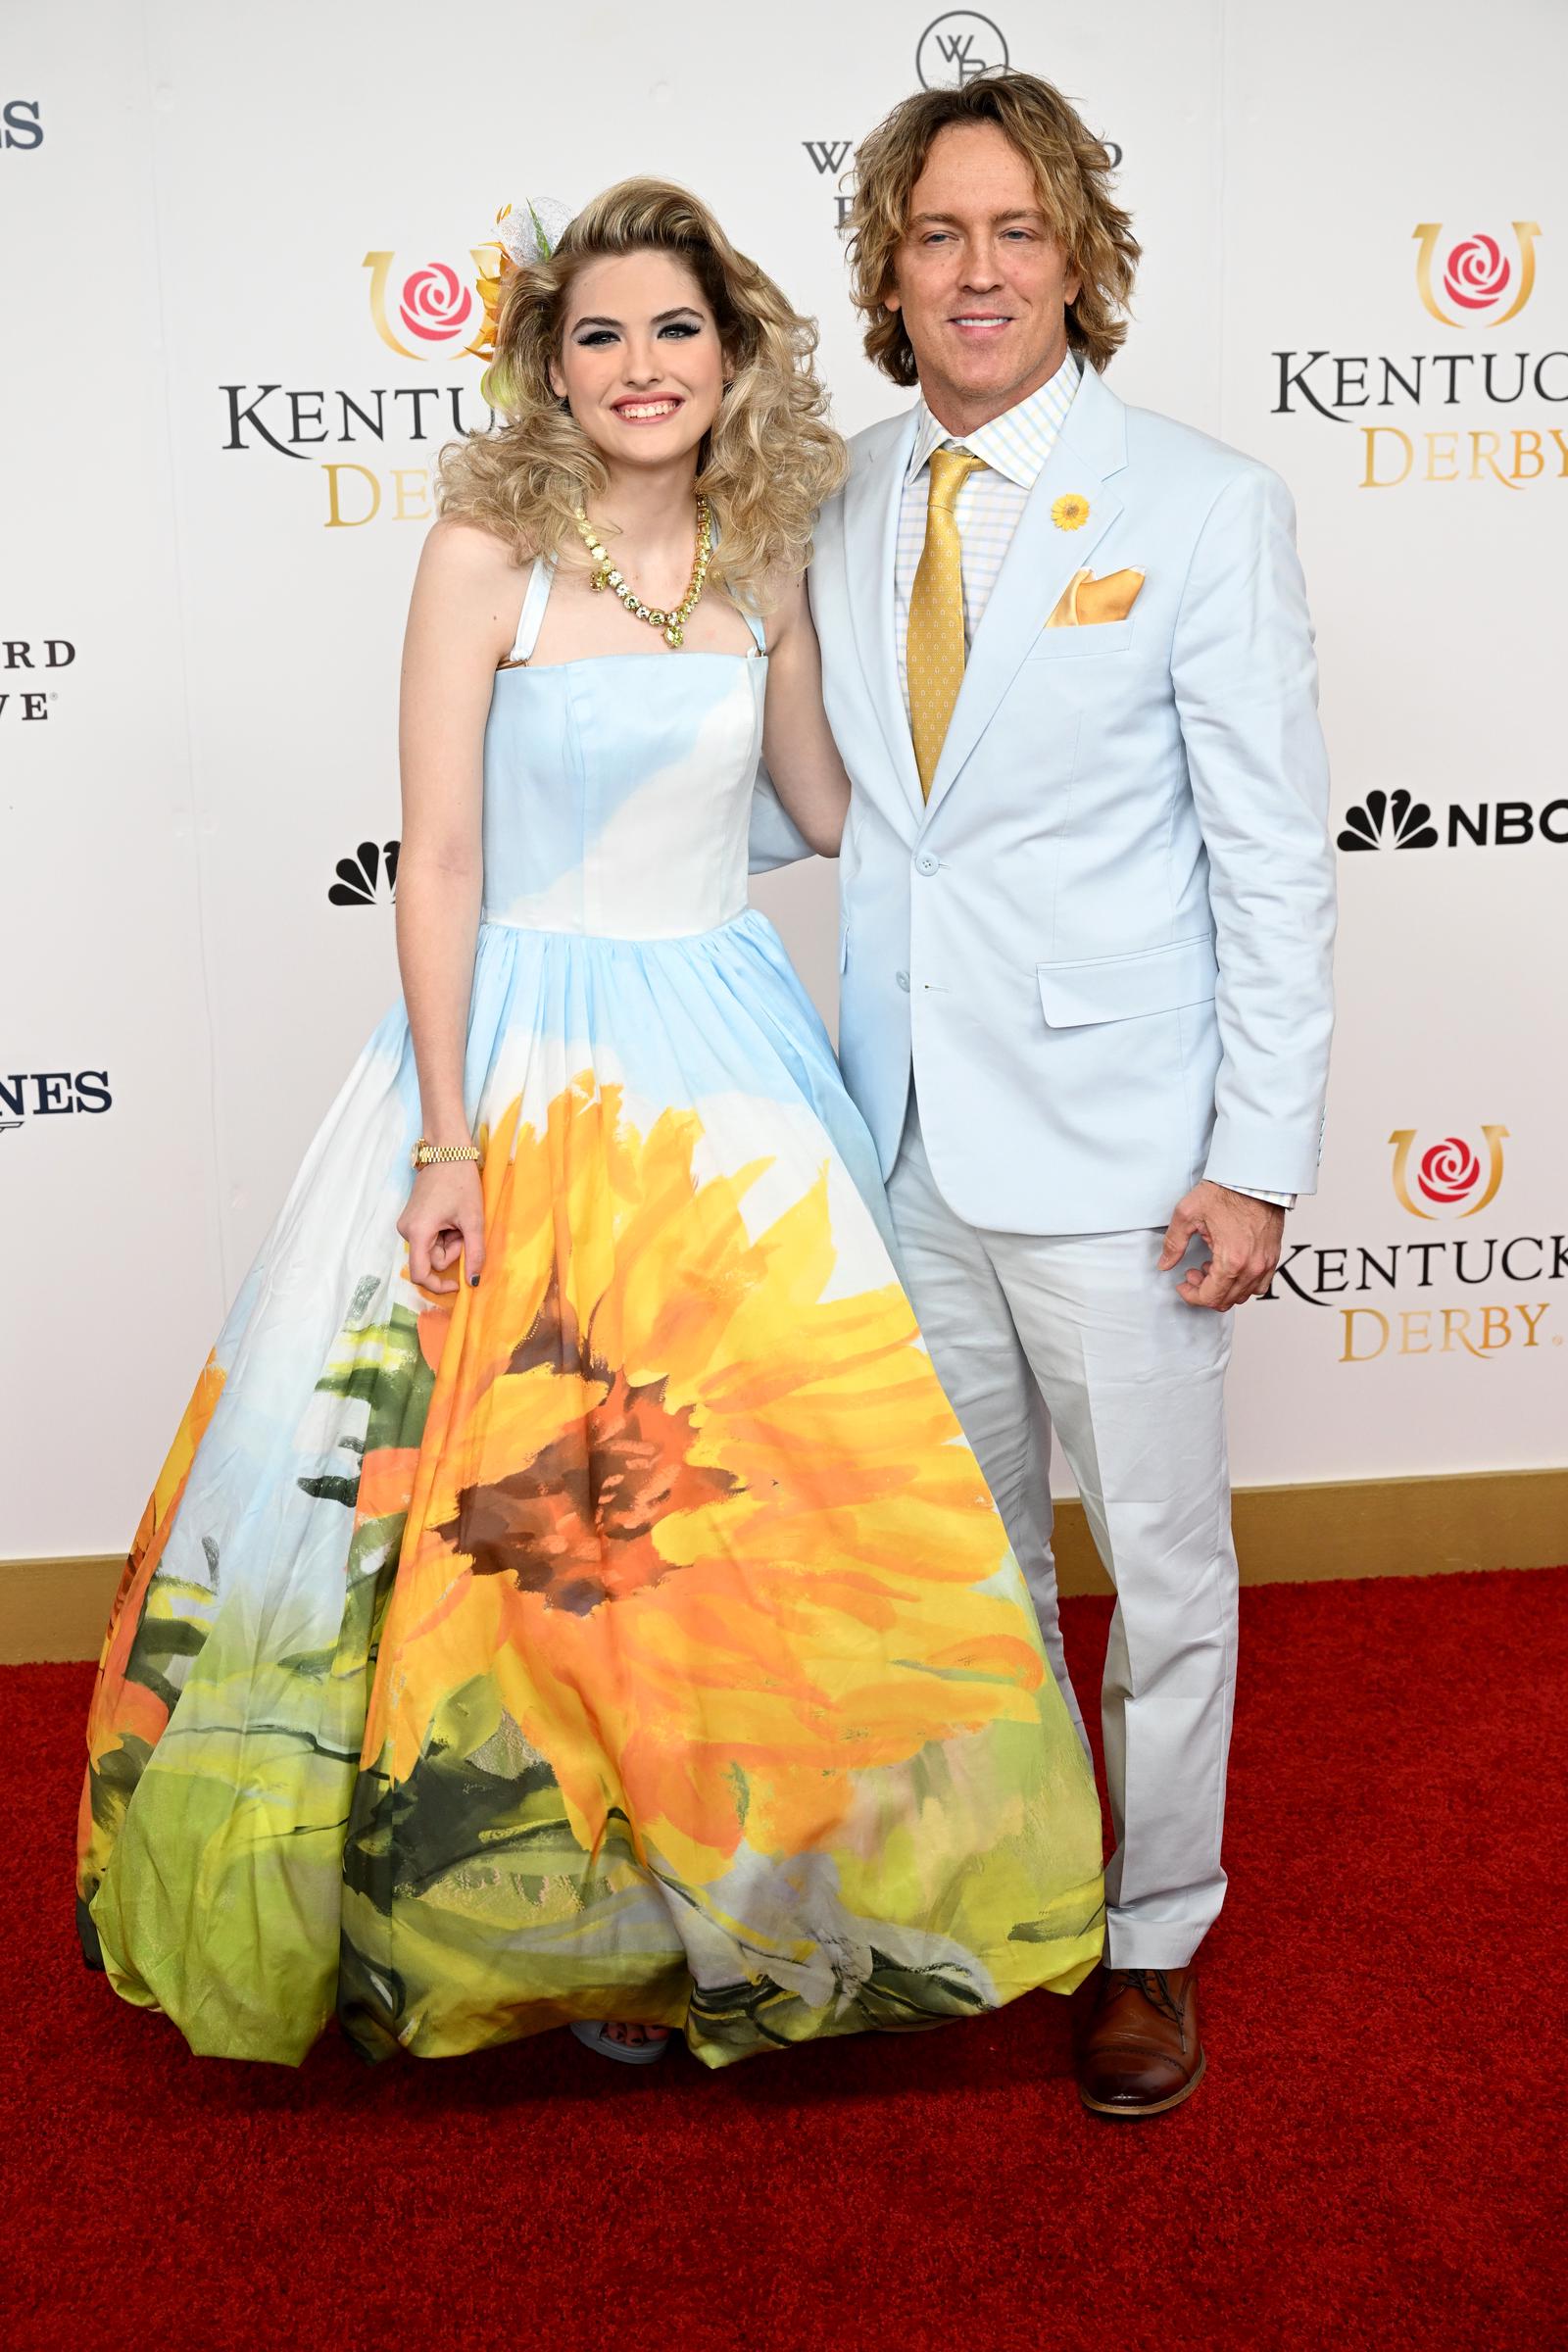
1072 171
766 464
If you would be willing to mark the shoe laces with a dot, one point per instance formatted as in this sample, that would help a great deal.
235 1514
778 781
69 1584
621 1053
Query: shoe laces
1154 1986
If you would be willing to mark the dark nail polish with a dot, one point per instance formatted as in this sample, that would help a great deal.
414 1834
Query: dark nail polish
473 1281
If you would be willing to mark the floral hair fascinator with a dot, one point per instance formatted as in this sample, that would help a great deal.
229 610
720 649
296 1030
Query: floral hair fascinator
525 233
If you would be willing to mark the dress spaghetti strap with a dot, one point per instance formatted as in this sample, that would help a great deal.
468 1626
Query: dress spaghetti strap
753 620
535 597
755 623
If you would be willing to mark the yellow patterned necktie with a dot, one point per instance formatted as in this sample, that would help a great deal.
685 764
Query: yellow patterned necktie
935 645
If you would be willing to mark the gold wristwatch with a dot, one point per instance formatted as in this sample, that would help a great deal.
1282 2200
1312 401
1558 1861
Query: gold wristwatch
426 1155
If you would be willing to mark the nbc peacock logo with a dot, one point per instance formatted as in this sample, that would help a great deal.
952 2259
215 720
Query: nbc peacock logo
1389 821
1473 280
1452 1176
369 879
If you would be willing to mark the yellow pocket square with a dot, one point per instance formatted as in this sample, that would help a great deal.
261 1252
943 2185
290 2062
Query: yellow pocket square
1086 601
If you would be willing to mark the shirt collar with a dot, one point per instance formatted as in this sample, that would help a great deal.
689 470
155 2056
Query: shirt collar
1015 444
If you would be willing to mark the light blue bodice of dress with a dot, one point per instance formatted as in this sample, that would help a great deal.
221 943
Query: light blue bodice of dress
617 788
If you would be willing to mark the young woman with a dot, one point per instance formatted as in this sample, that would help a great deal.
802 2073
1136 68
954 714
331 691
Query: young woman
592 1615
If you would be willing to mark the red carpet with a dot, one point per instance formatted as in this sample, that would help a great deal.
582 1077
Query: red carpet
1375 2158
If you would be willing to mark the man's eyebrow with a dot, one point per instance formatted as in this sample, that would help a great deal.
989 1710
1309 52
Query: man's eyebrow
952 221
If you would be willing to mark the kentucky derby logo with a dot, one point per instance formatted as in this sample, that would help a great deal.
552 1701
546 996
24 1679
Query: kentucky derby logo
432 311
1447 1173
957 48
1480 284
359 878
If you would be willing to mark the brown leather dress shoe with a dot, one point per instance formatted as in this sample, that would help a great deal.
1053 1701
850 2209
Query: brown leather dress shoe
1140 2052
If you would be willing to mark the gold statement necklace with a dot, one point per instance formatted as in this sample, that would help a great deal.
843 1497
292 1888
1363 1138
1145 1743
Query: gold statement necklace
672 623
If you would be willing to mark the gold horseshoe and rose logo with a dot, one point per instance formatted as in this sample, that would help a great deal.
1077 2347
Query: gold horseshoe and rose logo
1476 275
434 307
1448 1172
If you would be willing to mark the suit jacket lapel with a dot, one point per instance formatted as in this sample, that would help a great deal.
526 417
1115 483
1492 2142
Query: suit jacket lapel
871 502
1090 448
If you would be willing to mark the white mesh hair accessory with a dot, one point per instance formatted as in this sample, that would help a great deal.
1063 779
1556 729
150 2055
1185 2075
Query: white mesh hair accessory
529 231
525 233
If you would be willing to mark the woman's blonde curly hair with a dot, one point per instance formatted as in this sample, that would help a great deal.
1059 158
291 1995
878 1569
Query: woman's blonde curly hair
766 464
1072 171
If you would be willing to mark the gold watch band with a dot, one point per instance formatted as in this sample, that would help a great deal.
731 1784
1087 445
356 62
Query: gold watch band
426 1155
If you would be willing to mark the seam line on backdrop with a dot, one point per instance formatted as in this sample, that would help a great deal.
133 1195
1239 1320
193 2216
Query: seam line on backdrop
1222 239
181 612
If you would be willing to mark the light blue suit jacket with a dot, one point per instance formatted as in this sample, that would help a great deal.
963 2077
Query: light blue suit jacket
1104 946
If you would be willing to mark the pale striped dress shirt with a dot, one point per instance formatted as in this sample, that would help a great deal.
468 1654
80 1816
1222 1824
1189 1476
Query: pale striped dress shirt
1014 446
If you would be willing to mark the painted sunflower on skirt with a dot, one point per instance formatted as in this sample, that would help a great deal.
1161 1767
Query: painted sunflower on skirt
695 1523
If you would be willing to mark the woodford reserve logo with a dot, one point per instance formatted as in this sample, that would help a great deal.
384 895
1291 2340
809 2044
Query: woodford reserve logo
22 692
952 51
958 48
432 315
1471 282
1445 1181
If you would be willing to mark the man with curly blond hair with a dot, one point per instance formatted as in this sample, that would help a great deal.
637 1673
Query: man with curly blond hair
1086 927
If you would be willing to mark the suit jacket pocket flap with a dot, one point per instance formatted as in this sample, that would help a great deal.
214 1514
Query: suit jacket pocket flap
1074 644
1118 988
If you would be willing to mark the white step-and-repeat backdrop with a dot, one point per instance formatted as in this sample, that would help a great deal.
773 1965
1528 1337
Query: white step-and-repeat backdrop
241 249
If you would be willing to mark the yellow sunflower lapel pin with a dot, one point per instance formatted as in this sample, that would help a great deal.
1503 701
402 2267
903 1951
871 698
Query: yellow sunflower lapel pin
1070 511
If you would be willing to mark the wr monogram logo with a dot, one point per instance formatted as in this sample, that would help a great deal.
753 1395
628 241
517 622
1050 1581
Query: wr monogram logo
957 48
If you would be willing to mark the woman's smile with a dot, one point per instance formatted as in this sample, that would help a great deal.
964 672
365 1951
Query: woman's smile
642 410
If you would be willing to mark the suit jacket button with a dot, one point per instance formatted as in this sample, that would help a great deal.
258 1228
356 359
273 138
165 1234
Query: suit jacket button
925 864
902 979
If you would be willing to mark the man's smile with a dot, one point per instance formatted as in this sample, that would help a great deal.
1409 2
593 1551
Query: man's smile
976 326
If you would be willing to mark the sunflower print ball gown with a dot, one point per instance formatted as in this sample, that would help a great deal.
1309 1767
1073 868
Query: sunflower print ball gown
631 1636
